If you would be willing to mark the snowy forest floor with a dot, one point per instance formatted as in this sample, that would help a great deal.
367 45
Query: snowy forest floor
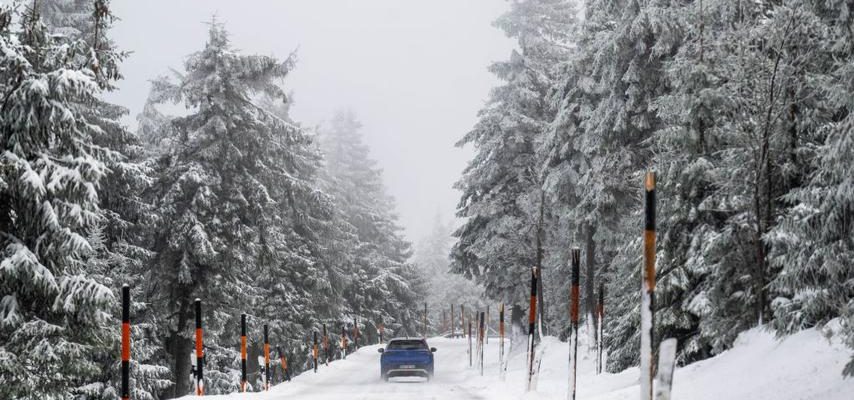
806 365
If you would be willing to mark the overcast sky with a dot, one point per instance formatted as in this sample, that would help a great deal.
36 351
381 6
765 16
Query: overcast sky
415 72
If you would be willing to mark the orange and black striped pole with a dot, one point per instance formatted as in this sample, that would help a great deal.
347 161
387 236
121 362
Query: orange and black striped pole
532 319
200 354
242 352
573 316
601 320
648 290
125 342
266 357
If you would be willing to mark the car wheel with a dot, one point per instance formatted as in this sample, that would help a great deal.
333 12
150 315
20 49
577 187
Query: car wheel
385 378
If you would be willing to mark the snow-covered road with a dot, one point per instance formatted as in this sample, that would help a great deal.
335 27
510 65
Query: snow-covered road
358 378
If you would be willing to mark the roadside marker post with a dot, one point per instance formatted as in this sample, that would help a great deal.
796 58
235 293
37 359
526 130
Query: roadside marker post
243 352
573 315
199 361
266 357
601 323
125 391
648 290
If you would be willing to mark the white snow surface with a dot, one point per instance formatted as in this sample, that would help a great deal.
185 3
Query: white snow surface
806 365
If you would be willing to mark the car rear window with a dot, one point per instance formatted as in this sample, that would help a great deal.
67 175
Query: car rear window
407 345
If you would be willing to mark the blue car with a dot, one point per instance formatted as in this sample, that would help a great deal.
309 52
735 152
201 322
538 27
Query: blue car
406 357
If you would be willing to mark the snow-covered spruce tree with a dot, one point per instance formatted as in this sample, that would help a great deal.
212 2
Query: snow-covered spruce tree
294 294
444 287
54 310
232 196
769 77
382 286
814 242
686 151
604 125
503 199
119 255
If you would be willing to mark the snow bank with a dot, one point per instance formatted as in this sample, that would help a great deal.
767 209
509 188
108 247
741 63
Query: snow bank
806 365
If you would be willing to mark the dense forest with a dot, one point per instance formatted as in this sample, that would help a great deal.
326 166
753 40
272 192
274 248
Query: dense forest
231 202
745 110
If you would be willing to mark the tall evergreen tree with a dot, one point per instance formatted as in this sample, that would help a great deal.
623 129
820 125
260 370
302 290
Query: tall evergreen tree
503 195
236 193
383 286
54 309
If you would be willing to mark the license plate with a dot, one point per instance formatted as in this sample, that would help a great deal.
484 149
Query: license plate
407 367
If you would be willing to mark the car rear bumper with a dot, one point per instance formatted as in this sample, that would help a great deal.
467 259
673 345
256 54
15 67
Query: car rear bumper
425 370
408 372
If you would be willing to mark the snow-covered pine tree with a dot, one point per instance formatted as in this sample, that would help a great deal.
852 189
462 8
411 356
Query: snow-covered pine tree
383 285
764 130
295 290
444 287
231 196
54 311
601 144
120 255
503 198
814 241
686 153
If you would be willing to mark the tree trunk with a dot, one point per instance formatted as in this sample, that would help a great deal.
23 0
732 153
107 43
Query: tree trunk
540 255
180 348
517 328
589 282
